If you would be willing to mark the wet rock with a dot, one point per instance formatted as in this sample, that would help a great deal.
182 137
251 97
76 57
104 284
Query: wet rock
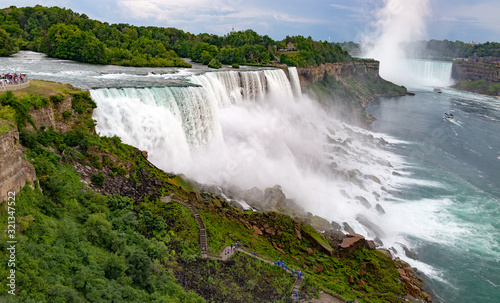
374 179
335 225
380 209
334 237
395 173
410 253
320 223
344 194
274 197
369 244
370 226
348 229
364 202
254 196
386 253
236 204
378 242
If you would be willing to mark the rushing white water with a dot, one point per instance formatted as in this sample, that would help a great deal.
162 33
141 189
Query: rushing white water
295 81
247 129
423 73
398 22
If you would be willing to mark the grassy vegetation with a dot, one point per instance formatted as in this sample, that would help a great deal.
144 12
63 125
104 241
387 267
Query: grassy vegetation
99 242
480 87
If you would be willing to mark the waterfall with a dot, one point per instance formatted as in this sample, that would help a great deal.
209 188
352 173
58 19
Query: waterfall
255 129
430 73
294 80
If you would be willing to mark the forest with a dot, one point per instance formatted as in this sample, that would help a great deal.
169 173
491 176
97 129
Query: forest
62 33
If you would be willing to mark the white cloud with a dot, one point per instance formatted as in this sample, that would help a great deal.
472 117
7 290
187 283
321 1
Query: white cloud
355 9
484 15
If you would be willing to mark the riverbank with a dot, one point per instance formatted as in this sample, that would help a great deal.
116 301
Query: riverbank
479 87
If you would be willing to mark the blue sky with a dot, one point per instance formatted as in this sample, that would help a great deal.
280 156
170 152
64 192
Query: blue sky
337 20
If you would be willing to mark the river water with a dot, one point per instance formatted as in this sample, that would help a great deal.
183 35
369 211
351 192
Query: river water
456 201
438 181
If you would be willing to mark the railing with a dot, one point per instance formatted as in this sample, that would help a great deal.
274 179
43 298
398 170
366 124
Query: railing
6 85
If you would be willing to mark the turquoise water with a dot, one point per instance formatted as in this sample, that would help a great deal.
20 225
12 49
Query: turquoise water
456 166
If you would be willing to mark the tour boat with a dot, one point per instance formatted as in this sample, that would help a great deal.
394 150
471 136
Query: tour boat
437 90
449 116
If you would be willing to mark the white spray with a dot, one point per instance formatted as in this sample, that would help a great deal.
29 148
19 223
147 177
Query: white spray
399 22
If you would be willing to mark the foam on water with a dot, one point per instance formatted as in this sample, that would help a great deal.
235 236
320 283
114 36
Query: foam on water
269 134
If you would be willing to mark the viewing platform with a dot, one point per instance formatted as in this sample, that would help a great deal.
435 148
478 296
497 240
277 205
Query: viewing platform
13 82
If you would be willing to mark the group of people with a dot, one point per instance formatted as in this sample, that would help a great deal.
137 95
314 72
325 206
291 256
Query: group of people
231 249
13 78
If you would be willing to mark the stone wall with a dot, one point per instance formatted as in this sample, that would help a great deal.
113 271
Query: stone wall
474 72
14 170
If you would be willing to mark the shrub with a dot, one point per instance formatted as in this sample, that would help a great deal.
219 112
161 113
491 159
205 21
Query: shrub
214 63
66 115
98 179
56 98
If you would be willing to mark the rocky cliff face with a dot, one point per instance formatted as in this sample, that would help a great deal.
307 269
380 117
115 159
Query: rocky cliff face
348 87
52 116
310 75
474 72
14 170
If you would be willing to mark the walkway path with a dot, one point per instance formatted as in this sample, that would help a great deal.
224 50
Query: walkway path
229 251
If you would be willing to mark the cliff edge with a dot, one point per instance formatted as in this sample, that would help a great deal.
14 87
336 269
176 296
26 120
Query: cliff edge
15 171
348 87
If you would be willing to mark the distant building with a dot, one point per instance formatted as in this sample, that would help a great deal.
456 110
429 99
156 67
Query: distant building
474 43
290 47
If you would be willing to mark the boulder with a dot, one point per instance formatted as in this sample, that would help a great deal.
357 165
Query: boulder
410 253
380 209
370 226
369 244
364 202
254 197
320 223
351 244
348 229
335 225
334 235
257 231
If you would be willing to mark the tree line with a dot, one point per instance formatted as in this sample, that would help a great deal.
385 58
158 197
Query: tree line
442 49
62 33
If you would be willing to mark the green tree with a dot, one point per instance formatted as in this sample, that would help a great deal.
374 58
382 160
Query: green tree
7 45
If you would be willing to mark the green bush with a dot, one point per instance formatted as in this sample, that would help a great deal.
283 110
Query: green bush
56 99
98 179
66 115
214 63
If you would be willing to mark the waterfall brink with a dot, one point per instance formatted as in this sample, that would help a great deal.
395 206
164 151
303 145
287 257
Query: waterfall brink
429 73
255 129
189 114
294 80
